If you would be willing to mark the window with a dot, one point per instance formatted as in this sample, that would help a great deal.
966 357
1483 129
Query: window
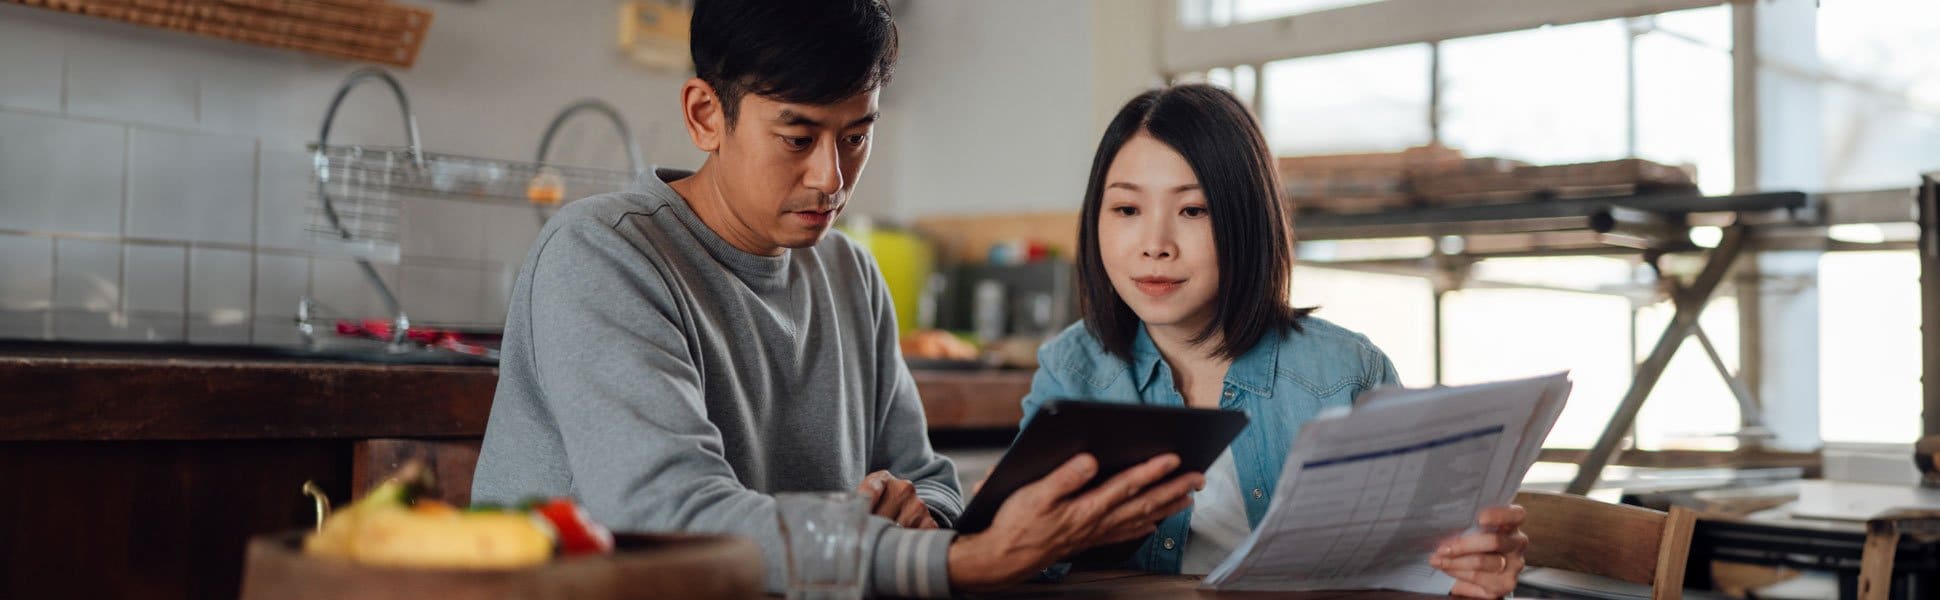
1878 83
1683 77
1869 347
1368 101
1658 87
1242 81
1879 92
1873 142
1203 13
1396 312
1548 96
1691 407
1492 334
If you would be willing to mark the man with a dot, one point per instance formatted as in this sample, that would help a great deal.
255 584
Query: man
675 353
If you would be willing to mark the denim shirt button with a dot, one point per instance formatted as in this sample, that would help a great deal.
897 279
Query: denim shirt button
1258 493
1169 544
1229 393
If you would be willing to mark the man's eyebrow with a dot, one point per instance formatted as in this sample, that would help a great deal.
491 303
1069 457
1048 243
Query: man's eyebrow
789 117
792 118
866 119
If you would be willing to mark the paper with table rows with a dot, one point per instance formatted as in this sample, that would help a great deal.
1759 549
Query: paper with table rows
1366 495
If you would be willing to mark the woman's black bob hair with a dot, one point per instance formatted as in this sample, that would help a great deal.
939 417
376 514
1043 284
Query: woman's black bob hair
1252 225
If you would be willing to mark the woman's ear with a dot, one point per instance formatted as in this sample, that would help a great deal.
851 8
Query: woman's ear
701 108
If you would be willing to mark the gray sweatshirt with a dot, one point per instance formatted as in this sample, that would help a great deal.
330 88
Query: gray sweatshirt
671 382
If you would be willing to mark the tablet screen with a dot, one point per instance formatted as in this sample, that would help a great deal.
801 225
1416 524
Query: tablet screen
1120 436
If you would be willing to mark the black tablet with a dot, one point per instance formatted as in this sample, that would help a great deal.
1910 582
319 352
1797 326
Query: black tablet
1120 435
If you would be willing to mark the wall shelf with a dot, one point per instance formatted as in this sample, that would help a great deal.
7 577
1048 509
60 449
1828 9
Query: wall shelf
375 31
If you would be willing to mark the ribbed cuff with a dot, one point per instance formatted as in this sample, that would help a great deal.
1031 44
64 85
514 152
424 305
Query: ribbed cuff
912 563
944 503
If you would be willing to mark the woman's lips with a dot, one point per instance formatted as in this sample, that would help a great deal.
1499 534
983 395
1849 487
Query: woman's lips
1157 286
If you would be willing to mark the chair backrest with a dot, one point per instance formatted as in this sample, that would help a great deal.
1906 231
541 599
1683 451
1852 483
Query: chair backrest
1627 543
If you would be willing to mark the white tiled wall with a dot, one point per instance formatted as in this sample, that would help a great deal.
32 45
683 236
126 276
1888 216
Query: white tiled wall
281 281
340 285
442 293
154 292
283 189
191 187
443 229
26 273
154 279
60 174
30 76
219 280
154 185
87 275
125 80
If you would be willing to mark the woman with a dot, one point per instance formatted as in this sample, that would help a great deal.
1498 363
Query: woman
1184 263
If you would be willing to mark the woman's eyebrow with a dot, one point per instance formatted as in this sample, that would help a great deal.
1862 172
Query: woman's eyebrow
1133 187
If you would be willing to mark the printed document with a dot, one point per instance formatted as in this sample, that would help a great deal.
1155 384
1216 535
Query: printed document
1367 494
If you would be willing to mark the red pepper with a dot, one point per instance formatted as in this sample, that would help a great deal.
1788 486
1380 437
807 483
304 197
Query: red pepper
578 534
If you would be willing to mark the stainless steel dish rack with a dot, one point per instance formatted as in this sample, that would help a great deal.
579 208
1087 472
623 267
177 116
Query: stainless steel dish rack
356 205
364 187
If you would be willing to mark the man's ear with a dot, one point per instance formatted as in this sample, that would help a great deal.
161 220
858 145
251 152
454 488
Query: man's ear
701 108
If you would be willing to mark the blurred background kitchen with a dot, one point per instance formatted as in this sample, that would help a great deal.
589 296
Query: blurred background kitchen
1487 189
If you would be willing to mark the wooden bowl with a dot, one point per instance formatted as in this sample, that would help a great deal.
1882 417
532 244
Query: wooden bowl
643 566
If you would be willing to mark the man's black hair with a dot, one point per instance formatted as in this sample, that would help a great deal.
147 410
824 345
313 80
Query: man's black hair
795 51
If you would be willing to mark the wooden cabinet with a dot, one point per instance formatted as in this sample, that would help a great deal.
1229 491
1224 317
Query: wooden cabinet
145 476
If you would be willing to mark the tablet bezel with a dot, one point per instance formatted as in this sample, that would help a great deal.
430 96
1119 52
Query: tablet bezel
1119 435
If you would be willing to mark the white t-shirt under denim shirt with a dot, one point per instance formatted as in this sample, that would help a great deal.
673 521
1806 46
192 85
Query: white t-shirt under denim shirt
1218 519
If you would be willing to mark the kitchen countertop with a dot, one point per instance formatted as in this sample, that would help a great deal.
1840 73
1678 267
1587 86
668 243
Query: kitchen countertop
125 397
179 454
76 392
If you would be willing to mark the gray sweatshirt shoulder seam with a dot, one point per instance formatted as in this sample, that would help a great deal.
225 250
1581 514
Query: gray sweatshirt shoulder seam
531 359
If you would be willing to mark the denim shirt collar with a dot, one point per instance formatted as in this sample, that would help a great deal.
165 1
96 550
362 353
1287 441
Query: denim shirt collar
1253 372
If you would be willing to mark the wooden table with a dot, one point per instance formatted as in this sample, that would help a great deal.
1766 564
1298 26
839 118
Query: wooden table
1778 538
1131 584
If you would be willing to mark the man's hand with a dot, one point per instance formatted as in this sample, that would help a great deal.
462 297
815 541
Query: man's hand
895 499
1485 563
1047 520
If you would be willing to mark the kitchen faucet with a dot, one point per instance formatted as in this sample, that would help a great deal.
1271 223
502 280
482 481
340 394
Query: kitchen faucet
400 323
612 114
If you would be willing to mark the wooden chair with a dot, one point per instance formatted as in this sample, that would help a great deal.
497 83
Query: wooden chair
1623 543
1883 535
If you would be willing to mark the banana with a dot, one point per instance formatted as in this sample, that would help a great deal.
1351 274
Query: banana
450 540
390 527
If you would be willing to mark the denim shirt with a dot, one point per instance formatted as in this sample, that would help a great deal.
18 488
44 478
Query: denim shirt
1287 378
